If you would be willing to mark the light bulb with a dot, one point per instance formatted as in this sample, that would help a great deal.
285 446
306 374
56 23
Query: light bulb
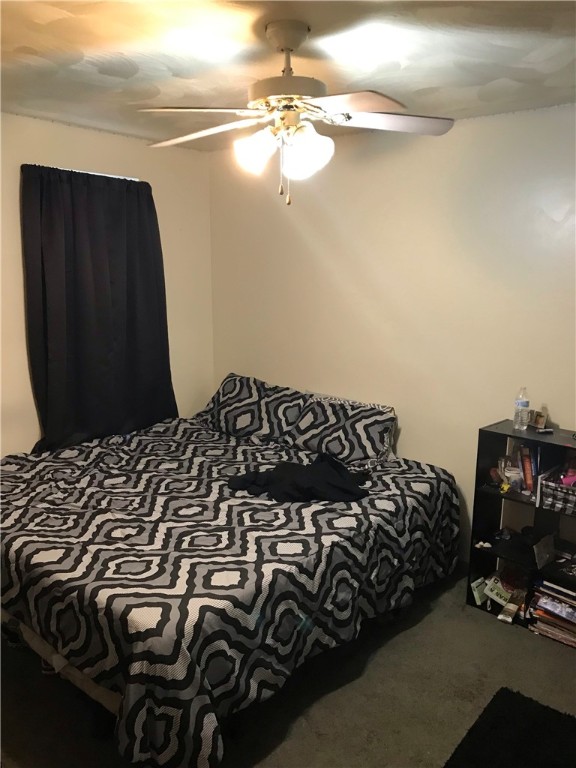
306 152
253 152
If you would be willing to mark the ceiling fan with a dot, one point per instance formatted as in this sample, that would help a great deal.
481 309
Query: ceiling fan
292 103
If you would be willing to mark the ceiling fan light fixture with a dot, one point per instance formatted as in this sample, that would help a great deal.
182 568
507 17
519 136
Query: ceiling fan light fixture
253 152
305 152
293 101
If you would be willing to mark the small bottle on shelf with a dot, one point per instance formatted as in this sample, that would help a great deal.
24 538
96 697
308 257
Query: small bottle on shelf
521 406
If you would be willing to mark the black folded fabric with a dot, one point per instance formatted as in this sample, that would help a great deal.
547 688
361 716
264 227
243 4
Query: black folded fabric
326 479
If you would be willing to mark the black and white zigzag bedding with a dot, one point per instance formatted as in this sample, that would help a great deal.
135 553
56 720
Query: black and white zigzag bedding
136 562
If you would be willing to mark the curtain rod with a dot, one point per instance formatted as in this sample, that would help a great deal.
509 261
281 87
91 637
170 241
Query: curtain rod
91 173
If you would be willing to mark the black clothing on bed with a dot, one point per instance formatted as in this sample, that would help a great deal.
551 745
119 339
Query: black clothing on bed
326 479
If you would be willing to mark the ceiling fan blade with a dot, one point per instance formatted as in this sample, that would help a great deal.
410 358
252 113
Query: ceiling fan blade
382 121
211 131
357 101
243 111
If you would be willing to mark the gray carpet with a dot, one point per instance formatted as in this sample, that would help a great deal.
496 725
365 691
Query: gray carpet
401 696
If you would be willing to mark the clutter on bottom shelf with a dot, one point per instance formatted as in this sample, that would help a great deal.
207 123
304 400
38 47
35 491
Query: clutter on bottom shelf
507 587
553 608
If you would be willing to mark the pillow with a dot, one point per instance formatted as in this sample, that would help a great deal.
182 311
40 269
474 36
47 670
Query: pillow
245 406
354 433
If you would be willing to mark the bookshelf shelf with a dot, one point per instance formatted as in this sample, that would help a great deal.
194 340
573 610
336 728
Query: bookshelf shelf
519 498
524 558
507 525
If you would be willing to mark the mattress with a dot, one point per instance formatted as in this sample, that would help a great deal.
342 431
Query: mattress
133 559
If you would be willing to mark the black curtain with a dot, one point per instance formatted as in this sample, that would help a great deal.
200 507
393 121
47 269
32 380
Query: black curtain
95 305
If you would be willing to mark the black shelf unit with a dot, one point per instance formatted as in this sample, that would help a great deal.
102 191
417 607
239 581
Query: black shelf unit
495 441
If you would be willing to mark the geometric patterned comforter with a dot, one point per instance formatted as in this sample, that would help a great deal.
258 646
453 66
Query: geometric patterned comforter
134 560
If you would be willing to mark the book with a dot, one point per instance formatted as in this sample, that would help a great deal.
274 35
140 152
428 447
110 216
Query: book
527 469
512 607
535 455
555 607
559 590
554 621
495 590
555 634
477 587
553 592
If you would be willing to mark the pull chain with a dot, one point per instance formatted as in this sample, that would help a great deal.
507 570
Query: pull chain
281 186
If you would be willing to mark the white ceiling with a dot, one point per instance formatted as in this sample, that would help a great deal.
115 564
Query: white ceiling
95 64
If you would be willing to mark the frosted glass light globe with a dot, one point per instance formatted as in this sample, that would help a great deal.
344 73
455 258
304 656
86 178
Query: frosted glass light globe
253 152
306 152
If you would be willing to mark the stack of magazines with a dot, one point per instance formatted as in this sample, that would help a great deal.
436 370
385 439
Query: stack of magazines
553 608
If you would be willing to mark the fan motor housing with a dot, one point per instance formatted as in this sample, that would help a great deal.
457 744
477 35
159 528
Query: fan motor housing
287 34
285 86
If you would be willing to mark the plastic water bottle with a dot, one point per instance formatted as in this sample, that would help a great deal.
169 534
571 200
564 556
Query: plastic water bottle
521 406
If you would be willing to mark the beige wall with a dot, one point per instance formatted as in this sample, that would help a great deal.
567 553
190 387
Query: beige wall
435 274
179 180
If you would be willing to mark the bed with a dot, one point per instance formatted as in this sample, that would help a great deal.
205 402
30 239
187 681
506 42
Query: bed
134 559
